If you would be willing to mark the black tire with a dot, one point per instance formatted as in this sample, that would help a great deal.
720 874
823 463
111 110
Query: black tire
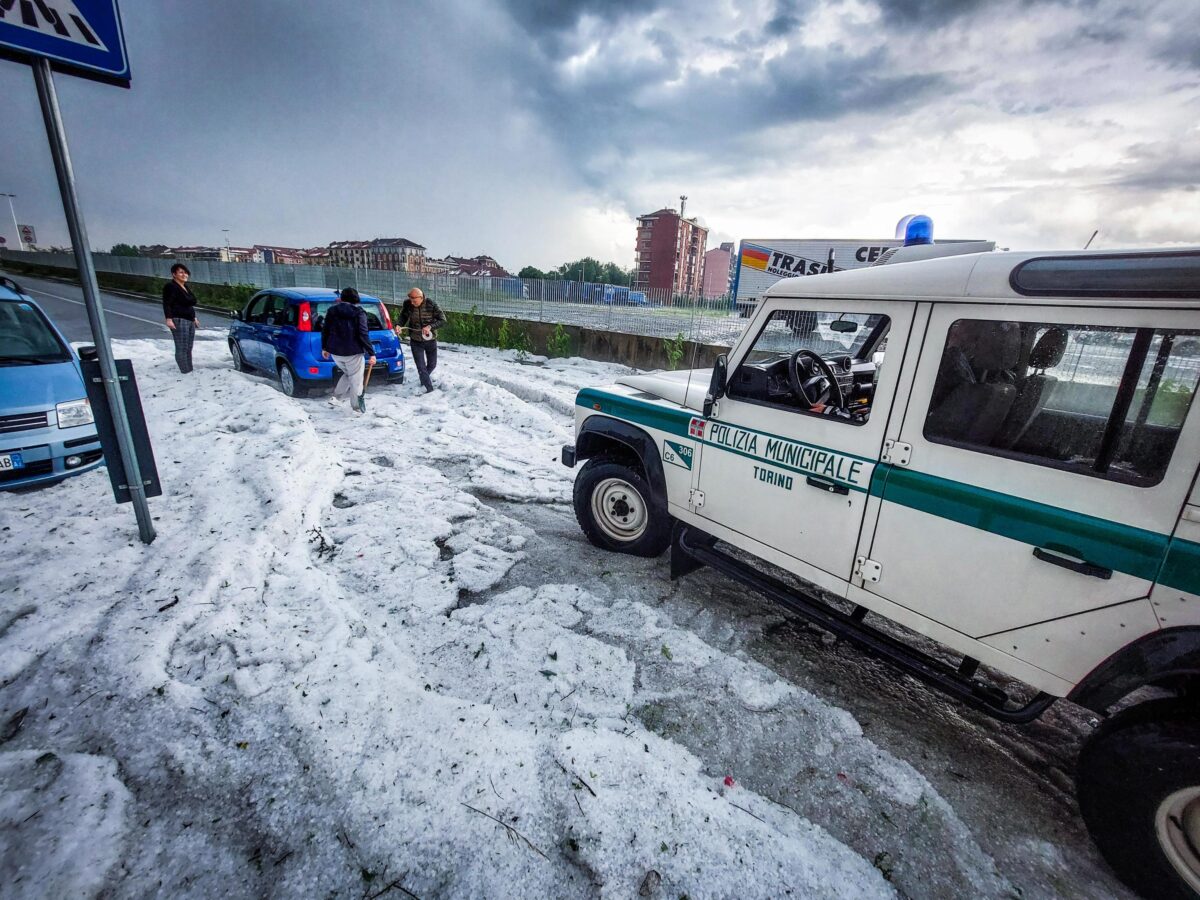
239 361
1138 783
289 382
617 510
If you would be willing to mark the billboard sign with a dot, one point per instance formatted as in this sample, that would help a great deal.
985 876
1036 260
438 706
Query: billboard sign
77 37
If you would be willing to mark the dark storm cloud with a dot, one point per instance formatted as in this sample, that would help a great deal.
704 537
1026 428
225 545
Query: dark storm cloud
1158 168
539 17
1182 48
787 18
656 105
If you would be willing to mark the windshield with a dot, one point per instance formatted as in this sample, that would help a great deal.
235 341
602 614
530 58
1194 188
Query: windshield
825 333
26 338
370 307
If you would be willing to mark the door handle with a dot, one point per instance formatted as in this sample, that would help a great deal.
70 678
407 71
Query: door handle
1076 564
830 487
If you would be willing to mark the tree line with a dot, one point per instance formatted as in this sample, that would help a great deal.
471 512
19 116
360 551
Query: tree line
586 269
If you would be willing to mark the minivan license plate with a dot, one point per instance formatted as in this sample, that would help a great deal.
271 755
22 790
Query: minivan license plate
10 461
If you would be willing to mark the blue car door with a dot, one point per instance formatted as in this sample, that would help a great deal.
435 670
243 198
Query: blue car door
271 330
246 332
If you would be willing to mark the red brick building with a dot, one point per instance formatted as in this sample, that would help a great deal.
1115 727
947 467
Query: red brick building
670 253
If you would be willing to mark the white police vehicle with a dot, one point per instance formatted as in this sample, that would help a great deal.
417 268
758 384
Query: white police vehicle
997 451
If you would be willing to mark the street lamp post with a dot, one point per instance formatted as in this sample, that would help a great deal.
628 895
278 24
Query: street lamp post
16 227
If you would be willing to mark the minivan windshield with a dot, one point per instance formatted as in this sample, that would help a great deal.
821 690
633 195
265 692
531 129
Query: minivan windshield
26 338
370 307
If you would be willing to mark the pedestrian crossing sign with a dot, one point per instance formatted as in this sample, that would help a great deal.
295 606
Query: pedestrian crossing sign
78 37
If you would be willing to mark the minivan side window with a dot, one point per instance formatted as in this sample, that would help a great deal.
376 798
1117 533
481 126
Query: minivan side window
1100 401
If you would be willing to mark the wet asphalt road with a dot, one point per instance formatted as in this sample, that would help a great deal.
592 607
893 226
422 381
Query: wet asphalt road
125 317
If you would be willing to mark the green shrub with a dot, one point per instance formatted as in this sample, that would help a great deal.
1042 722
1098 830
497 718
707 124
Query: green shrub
559 343
503 336
522 344
466 328
674 348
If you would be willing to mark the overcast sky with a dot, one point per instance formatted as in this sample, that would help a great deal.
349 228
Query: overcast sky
536 130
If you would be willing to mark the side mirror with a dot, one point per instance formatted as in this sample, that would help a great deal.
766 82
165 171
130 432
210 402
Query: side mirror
237 314
88 351
716 387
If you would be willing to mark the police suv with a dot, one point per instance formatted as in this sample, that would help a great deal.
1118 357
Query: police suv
997 451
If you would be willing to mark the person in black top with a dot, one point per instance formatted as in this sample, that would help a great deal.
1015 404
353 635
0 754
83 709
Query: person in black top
422 318
179 309
346 336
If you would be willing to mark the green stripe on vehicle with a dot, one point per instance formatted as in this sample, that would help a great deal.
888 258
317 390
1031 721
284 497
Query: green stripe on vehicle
1181 568
652 415
1134 551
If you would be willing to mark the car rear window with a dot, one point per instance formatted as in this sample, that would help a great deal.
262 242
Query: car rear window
26 338
370 307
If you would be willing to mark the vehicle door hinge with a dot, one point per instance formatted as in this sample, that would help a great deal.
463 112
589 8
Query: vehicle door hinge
897 453
696 499
867 569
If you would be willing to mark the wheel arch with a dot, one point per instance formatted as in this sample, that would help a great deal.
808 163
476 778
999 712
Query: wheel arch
1169 658
599 435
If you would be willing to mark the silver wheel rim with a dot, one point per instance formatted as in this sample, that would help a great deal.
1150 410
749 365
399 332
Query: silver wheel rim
288 380
1177 824
619 510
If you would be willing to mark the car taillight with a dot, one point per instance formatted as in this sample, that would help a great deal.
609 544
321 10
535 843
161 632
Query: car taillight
387 320
305 316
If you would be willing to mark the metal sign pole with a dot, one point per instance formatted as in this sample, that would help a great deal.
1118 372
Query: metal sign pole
91 292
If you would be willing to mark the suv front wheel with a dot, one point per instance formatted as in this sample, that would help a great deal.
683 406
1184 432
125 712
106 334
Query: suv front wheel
617 510
1139 791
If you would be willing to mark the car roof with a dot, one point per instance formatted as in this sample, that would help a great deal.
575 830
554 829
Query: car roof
987 278
313 293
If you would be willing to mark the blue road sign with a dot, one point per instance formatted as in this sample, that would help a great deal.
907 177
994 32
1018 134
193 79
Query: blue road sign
78 37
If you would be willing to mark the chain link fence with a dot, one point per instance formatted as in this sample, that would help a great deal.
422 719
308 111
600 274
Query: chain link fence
605 307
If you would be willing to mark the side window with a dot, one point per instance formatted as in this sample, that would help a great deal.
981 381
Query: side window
274 313
1106 402
290 315
254 312
814 362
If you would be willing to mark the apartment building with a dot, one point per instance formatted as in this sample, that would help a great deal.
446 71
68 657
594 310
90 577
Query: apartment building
718 270
670 253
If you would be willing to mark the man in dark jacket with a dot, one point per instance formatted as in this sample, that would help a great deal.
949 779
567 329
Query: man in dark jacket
346 337
422 317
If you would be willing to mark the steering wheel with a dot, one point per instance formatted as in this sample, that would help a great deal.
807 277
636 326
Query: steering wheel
822 384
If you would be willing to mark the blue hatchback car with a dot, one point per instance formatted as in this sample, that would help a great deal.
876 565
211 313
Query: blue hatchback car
47 430
279 332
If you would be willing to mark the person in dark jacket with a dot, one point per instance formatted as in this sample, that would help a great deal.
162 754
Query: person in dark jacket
346 337
179 309
422 317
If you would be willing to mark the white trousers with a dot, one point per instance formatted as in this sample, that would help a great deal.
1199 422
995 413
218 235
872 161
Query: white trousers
350 385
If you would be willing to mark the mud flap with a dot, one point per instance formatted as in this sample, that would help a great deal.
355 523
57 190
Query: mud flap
681 562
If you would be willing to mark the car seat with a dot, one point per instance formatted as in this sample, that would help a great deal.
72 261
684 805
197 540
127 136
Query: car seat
1035 389
974 411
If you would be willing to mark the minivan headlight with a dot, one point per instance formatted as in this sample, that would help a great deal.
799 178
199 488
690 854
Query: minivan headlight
74 413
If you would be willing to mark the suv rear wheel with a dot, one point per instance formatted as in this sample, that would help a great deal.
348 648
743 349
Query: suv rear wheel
1138 782
617 510
292 386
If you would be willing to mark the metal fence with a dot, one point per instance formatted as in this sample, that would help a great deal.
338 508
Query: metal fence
605 307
